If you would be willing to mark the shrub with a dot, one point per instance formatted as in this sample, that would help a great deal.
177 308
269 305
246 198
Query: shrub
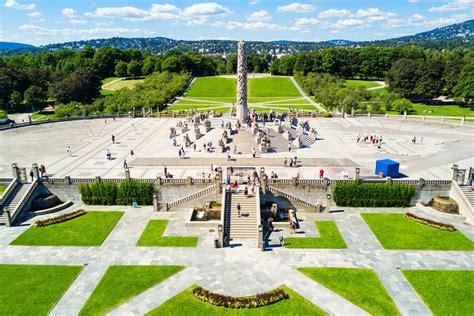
430 222
59 219
139 192
253 301
358 194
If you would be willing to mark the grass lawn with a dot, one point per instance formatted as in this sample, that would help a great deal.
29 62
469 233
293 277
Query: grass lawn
186 304
361 83
109 79
33 289
90 229
3 187
360 286
272 87
444 292
289 101
395 231
186 101
182 107
37 116
152 236
440 110
213 87
128 83
330 238
121 283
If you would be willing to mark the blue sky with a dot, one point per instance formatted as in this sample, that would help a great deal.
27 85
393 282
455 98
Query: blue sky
50 21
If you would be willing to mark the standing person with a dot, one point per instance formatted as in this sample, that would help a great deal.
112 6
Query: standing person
31 175
235 150
125 165
285 162
295 162
194 146
108 154
246 191
228 155
321 173
69 150
132 153
238 209
289 147
292 226
166 171
113 139
254 152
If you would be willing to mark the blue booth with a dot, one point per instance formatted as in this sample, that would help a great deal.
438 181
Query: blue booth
388 167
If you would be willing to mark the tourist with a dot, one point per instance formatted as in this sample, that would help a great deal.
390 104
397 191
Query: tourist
281 239
113 139
179 153
285 162
413 141
125 165
175 142
194 146
270 224
292 226
132 153
238 209
289 147
291 162
295 162
254 152
321 174
246 191
69 150
297 176
228 155
166 171
108 154
31 175
235 150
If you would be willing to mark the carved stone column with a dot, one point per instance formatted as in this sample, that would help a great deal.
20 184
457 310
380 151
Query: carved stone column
242 110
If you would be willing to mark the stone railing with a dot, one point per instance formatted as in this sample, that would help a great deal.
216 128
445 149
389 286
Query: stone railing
192 196
14 183
24 200
159 181
293 198
465 207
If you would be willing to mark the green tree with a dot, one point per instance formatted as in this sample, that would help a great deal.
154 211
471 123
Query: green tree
134 68
16 102
402 105
83 85
121 69
465 85
35 97
403 76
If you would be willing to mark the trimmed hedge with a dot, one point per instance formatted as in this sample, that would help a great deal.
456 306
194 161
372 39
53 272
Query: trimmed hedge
59 219
108 193
357 194
253 301
430 222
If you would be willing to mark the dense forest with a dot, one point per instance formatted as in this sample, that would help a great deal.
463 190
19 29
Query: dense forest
74 77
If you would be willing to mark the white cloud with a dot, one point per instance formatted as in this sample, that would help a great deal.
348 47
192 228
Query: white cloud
12 4
254 2
29 27
418 20
259 16
295 7
35 14
69 13
344 23
232 25
331 13
206 9
116 12
306 21
416 17
456 5
374 14
77 21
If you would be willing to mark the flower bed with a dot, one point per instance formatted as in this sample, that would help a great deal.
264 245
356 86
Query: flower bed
253 301
59 219
430 222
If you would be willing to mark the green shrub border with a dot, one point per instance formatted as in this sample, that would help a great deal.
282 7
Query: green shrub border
254 301
109 193
430 222
60 218
358 194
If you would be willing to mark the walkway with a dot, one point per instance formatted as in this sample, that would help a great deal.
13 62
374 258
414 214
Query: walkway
301 91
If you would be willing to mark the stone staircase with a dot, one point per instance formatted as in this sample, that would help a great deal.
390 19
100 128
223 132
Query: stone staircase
245 226
12 203
306 139
469 193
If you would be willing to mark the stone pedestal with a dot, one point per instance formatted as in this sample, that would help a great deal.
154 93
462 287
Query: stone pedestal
155 202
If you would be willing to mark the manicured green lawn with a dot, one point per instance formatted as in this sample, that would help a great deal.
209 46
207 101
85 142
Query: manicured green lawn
180 107
33 289
360 286
395 231
186 304
361 83
213 87
109 79
289 101
37 116
90 229
121 283
444 292
330 238
3 187
440 110
272 87
186 101
152 236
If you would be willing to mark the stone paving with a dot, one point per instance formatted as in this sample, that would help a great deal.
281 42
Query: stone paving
240 270
443 144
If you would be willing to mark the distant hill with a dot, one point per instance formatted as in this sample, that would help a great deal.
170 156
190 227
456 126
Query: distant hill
451 36
13 45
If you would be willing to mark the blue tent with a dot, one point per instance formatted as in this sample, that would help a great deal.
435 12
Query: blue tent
388 167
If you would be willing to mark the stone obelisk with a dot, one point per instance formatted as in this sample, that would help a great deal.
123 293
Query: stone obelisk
241 82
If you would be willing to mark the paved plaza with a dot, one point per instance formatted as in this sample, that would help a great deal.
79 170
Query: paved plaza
239 270
336 149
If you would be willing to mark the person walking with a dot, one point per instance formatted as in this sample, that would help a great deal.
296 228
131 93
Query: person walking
108 154
166 171
289 147
254 152
113 139
69 150
246 192
321 173
228 155
285 162
125 165
132 153
238 209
